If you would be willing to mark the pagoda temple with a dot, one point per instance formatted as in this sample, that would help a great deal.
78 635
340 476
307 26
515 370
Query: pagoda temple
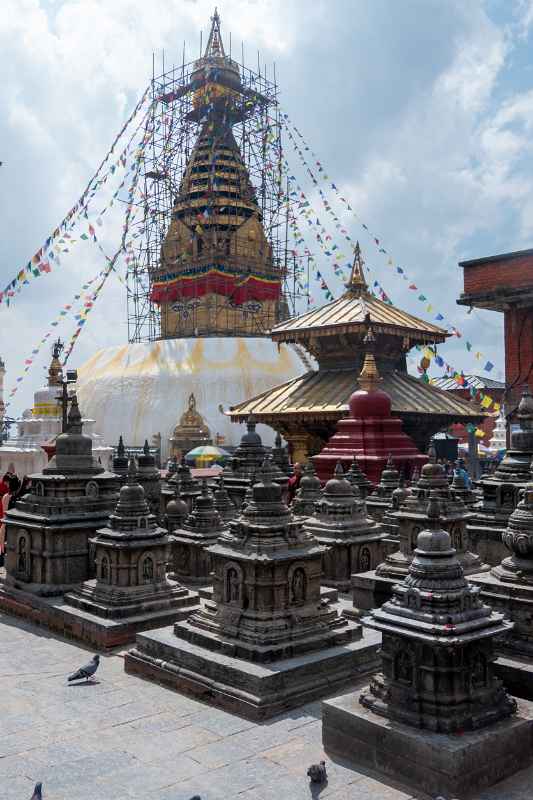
370 434
305 410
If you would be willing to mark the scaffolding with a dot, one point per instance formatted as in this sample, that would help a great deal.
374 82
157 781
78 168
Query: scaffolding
173 129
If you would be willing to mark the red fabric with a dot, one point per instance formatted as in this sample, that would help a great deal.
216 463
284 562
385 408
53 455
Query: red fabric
251 288
3 488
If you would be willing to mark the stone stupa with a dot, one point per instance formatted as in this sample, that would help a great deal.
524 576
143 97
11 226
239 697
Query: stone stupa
48 530
375 587
509 589
120 462
245 462
192 561
267 641
380 500
358 479
308 492
131 591
352 540
149 477
436 716
501 489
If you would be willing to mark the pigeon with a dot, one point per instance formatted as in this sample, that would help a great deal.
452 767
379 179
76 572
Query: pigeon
317 772
87 671
37 792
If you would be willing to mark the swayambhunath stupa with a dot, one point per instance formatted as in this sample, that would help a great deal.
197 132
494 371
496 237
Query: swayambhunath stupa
211 278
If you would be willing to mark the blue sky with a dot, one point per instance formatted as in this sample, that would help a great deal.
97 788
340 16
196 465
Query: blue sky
421 111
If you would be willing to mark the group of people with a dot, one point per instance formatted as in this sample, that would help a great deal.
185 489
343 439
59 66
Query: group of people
11 489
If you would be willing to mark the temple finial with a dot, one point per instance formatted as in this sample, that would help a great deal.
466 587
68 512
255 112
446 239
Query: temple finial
214 45
357 283
121 450
74 416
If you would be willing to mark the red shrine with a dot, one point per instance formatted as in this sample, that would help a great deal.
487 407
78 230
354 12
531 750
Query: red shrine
370 433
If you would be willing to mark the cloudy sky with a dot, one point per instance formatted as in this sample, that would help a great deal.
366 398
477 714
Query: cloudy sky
421 111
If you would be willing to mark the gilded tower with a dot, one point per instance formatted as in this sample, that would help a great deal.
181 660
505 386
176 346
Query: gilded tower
216 275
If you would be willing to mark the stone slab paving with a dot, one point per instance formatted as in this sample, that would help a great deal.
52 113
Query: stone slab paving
121 738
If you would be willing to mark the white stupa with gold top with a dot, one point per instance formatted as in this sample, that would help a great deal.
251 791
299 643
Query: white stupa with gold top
26 452
218 289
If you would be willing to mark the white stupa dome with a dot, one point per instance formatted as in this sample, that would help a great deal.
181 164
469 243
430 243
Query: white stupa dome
138 390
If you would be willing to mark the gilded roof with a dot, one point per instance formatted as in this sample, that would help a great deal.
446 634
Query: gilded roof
351 310
325 394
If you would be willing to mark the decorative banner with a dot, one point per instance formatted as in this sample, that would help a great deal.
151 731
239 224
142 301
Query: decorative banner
60 240
429 308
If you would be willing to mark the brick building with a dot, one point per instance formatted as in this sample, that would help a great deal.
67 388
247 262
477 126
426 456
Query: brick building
505 283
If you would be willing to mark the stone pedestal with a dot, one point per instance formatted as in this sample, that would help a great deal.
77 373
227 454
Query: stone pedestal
131 556
352 541
451 766
267 641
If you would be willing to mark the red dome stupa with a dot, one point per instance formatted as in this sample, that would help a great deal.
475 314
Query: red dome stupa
370 433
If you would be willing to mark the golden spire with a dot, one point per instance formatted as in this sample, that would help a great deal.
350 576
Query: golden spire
357 283
214 43
369 378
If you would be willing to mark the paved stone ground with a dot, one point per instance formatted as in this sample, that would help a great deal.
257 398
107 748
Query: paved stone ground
122 737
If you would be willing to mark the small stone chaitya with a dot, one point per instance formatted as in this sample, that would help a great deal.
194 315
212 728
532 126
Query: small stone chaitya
352 540
501 489
223 504
48 530
149 477
509 589
192 560
437 675
308 492
358 479
375 587
244 650
380 500
246 461
131 555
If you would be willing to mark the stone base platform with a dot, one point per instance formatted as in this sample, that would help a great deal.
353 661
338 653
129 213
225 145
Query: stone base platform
206 593
436 763
368 591
486 538
251 690
75 623
516 672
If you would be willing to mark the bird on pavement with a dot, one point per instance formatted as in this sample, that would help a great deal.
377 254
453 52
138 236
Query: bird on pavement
87 671
317 772
37 792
